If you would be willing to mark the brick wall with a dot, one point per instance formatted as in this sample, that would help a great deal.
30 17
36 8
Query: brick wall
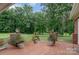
75 34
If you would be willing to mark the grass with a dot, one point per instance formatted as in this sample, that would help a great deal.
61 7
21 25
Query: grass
28 37
4 35
66 39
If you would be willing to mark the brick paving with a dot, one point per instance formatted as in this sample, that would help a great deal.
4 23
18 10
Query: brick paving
41 48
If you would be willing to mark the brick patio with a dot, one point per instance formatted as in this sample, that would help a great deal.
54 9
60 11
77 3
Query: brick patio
41 48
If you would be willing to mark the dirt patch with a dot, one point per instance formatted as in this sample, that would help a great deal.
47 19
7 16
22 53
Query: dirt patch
41 48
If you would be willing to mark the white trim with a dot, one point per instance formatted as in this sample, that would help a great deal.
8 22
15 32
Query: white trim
39 1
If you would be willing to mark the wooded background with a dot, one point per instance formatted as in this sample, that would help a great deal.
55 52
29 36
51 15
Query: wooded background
53 16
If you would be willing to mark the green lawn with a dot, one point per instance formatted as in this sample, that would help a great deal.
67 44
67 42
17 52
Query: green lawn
28 37
66 39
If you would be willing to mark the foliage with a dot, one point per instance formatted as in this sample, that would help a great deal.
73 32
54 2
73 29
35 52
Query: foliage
53 16
58 16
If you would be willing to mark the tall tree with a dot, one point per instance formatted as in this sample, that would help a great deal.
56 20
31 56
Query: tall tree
57 15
